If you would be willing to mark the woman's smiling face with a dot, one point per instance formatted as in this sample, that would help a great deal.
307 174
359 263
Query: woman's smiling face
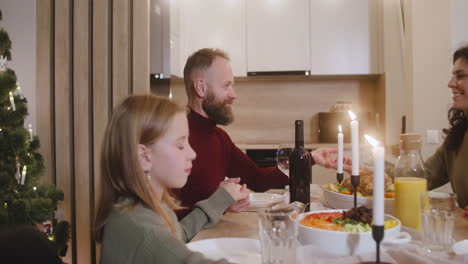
459 85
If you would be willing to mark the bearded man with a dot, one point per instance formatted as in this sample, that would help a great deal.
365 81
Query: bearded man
209 83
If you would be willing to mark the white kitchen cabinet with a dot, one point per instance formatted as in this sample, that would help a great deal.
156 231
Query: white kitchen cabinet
278 35
212 24
344 37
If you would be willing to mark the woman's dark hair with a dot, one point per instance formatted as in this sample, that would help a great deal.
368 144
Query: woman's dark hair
457 118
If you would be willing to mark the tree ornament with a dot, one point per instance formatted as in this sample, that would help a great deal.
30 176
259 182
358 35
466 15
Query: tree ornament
18 171
3 61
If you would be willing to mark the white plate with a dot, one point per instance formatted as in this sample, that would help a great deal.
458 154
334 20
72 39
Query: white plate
461 247
237 250
261 200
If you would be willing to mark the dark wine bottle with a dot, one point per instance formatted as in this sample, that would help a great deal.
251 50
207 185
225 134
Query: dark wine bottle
300 168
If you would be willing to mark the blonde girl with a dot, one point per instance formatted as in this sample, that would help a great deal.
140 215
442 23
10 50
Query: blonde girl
144 154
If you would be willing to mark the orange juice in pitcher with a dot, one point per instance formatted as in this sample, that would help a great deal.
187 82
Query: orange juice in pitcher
407 200
410 181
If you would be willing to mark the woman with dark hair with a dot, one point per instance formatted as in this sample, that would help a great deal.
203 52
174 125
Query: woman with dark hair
450 162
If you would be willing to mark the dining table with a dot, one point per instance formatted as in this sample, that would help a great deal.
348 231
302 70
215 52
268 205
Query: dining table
245 225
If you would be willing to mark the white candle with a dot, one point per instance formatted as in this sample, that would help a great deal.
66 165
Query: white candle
18 89
30 132
354 143
340 150
12 101
379 181
23 174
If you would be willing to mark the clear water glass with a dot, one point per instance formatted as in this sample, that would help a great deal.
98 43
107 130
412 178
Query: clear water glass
278 236
438 220
282 157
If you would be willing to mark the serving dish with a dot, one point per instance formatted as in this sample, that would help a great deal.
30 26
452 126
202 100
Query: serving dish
338 200
343 243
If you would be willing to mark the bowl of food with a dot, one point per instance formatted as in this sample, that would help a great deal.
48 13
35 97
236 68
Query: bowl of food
338 196
345 233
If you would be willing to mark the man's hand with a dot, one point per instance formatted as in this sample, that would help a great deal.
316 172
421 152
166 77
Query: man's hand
465 213
240 193
326 157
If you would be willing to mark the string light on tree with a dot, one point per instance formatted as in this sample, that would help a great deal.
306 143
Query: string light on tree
18 90
23 175
30 132
12 102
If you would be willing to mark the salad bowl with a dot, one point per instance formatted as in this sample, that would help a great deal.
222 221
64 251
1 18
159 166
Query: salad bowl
347 243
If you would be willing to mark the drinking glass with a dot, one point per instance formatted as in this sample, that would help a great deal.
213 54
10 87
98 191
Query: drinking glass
438 219
282 157
278 235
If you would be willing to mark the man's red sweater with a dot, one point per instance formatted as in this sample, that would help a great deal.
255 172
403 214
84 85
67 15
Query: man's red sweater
217 158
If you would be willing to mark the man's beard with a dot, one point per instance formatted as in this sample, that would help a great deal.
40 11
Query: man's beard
217 111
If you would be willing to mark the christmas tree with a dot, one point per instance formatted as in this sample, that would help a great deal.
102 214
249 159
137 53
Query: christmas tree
22 199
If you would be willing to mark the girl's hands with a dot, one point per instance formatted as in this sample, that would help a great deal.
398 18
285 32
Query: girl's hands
240 193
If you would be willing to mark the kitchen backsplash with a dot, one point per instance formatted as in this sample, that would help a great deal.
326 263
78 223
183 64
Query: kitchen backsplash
265 110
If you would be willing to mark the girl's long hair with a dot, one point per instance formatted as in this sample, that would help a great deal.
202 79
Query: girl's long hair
139 119
457 118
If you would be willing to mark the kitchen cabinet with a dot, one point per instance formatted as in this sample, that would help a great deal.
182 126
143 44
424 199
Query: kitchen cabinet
325 37
344 37
278 35
212 24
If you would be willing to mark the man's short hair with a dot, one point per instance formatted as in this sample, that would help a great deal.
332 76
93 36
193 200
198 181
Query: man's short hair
199 61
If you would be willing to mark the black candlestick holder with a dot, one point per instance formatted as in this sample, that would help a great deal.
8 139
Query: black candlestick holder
339 177
378 235
355 183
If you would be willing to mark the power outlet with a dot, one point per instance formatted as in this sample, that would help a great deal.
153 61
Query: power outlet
432 136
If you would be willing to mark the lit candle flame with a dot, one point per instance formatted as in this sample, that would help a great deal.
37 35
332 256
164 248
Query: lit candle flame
339 129
351 115
374 142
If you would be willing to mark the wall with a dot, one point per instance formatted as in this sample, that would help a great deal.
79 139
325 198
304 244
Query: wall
459 20
19 20
428 66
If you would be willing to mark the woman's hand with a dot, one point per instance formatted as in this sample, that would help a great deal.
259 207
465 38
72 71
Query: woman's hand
465 213
240 193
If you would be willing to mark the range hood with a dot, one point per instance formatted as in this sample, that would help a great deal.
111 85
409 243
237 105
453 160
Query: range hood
160 51
278 73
